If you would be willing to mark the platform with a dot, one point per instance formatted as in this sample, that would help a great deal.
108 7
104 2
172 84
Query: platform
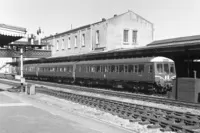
20 113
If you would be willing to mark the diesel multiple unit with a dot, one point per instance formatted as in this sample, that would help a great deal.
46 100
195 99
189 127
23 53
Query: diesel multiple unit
151 74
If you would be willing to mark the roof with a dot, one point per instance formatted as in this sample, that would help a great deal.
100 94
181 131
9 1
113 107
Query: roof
88 25
10 33
13 27
175 40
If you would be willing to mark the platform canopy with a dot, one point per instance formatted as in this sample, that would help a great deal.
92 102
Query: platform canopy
10 33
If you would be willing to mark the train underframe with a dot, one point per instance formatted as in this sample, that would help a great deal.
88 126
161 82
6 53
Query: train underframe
131 86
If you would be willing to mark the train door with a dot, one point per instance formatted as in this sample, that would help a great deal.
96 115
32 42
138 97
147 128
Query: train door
149 71
74 71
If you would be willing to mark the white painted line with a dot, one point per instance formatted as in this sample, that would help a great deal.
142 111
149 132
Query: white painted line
14 104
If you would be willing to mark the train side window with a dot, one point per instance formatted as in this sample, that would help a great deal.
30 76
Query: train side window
89 69
113 68
121 68
98 68
160 68
141 68
150 68
93 69
117 68
106 68
135 68
65 69
103 69
130 68
61 69
70 69
125 68
109 68
79 68
86 68
83 68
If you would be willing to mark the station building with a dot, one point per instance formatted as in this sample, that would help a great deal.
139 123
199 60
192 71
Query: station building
124 31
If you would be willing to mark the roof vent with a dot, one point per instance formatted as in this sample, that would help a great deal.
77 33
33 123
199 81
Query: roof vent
115 15
103 19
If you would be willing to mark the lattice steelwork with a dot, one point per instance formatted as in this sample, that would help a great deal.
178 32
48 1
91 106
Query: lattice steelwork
27 54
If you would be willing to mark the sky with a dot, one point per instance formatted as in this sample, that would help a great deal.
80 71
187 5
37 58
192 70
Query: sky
171 18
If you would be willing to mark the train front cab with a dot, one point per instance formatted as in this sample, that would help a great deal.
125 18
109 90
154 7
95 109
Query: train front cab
164 74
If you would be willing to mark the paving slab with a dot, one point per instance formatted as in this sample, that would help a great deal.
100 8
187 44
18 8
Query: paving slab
6 99
21 114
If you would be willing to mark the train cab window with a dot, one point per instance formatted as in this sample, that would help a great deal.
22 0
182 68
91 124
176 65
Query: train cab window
113 68
150 68
166 68
172 68
160 68
130 68
121 68
141 68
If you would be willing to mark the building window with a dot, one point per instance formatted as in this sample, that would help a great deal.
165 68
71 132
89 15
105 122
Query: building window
125 36
49 47
63 44
134 36
69 43
75 42
97 37
83 40
57 45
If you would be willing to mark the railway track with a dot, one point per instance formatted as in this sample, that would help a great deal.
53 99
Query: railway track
166 120
147 98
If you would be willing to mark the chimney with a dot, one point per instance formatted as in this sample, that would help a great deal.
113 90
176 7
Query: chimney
103 19
115 15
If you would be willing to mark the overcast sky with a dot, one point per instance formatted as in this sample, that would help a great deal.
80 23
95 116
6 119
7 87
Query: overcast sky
171 18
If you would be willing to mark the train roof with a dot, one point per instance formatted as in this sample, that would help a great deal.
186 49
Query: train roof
118 61
55 64
132 60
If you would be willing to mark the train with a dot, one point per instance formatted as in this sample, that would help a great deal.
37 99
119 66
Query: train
147 74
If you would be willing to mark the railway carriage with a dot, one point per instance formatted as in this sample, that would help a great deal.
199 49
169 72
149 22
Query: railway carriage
30 71
136 74
61 72
150 74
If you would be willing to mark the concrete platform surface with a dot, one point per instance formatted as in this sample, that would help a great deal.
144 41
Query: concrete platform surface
21 114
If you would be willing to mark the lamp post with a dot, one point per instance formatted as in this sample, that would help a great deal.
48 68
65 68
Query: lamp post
22 80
